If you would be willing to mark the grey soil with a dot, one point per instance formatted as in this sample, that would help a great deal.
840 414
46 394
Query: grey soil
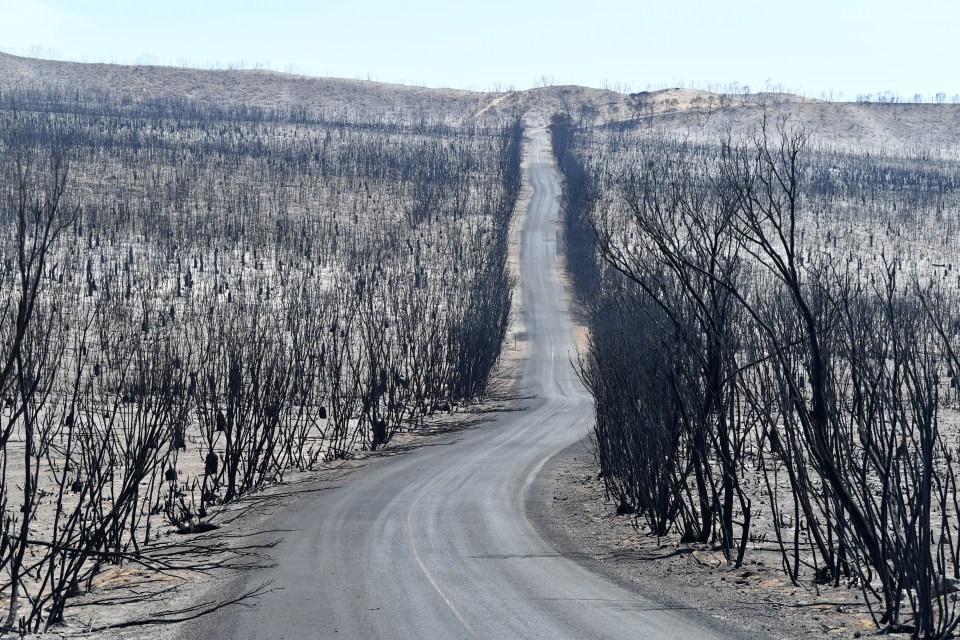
568 506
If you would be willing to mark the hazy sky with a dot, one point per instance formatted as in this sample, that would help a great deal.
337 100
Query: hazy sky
809 46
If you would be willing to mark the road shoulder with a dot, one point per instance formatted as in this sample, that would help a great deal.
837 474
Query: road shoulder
567 506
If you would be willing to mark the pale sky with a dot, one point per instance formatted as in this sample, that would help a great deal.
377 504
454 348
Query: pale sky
806 46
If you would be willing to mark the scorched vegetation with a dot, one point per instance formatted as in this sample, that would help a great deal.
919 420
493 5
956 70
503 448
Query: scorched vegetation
774 341
196 300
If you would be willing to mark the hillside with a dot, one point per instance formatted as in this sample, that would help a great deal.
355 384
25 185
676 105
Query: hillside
899 128
266 89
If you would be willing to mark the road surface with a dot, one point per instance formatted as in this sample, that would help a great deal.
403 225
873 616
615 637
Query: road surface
437 543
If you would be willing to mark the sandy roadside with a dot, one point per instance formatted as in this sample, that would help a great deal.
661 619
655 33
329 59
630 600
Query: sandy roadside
568 506
126 594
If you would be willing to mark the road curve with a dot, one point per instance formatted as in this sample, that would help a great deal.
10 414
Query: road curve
437 543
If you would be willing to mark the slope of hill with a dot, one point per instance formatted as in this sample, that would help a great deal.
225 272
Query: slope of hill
265 89
891 127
